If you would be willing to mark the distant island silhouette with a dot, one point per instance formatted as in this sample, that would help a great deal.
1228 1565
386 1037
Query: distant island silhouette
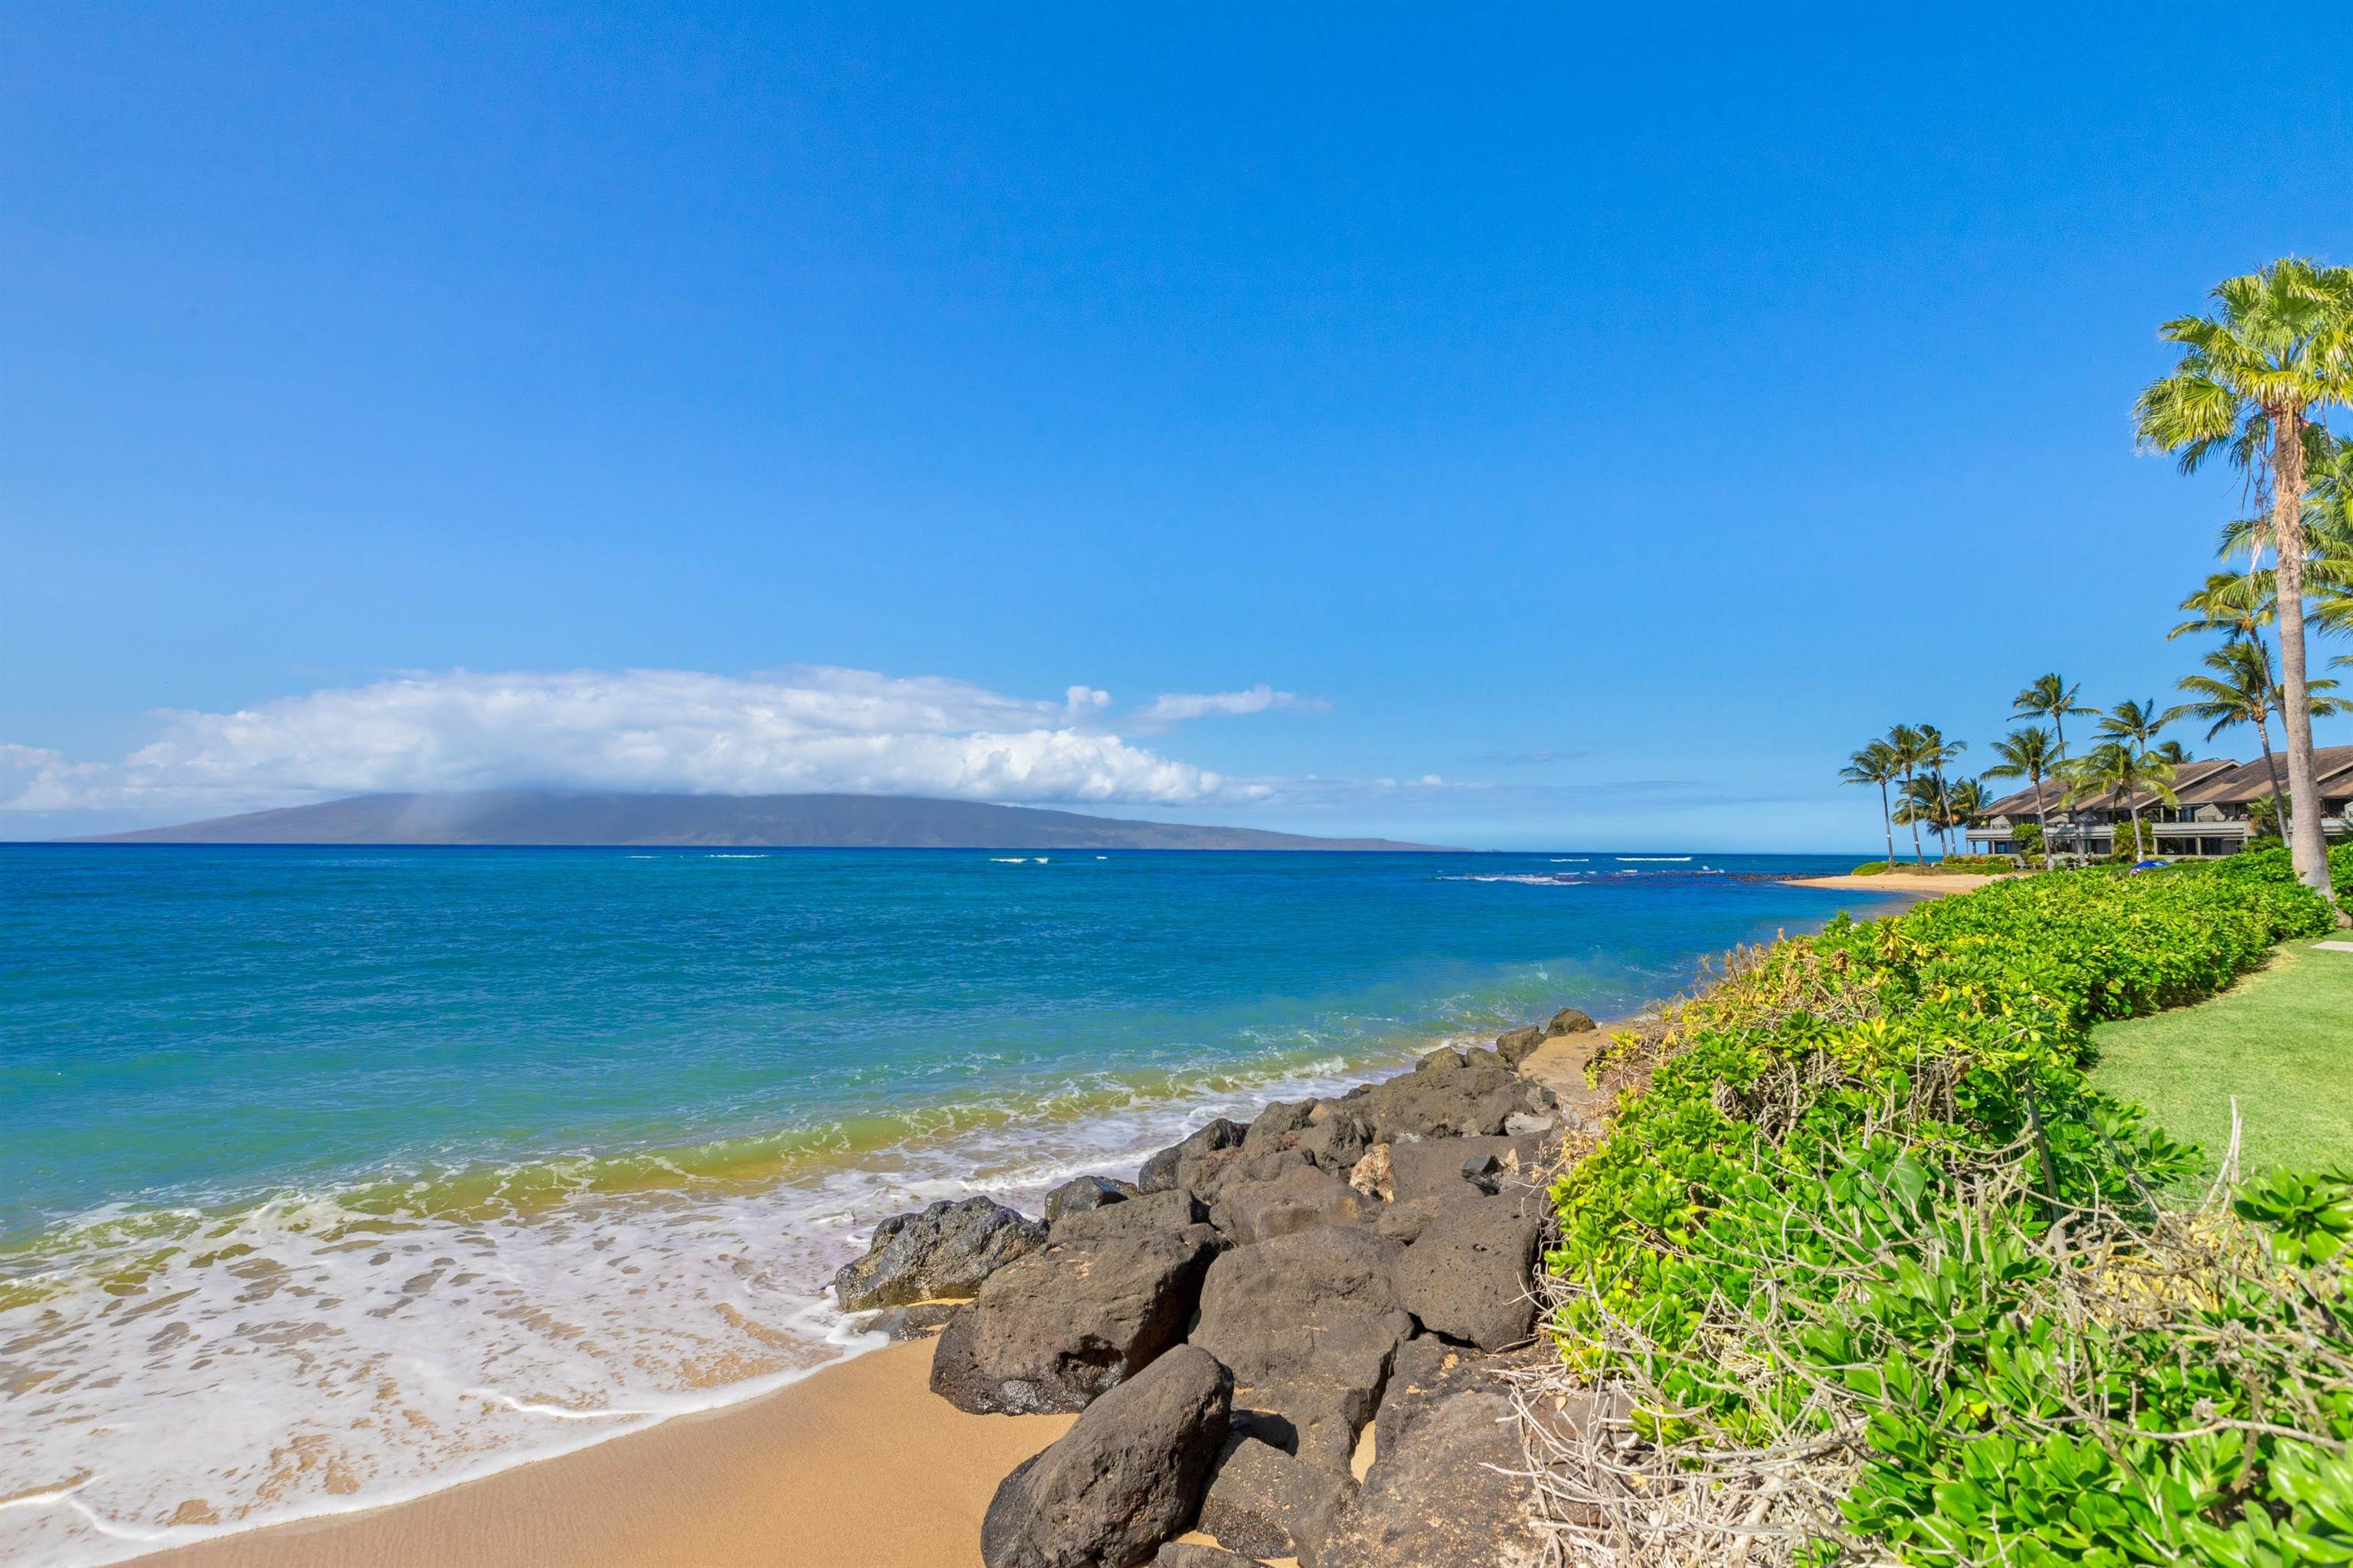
764 822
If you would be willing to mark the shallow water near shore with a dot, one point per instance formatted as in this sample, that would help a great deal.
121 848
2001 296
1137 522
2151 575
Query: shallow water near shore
330 1176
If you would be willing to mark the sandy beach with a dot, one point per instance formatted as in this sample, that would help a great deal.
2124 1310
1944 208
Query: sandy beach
859 1464
1930 882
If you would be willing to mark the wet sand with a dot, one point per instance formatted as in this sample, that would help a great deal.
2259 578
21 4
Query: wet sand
858 1464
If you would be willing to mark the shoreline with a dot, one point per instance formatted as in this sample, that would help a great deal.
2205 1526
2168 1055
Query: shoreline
858 1462
1931 884
830 1409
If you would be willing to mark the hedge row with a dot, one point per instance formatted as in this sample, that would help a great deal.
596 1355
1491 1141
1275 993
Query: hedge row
1834 1205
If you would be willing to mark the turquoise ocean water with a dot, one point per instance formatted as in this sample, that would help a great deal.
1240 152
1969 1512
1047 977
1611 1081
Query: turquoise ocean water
328 1176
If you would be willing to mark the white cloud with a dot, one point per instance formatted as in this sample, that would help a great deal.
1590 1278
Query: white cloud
803 729
1175 708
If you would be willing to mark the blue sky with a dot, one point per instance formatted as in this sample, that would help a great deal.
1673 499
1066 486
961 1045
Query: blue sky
1595 426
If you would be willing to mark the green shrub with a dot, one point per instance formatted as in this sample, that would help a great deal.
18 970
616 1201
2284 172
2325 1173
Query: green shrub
1975 864
1833 1221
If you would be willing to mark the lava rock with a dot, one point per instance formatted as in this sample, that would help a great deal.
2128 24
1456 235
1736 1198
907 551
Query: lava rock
1058 1329
1447 1494
1160 1171
1299 1199
1308 1323
947 1249
1449 1094
1263 1502
1082 1193
1517 1045
1467 1274
1187 1555
1427 1371
1568 1021
1169 1212
913 1321
1278 1122
1127 1476
1446 1167
1372 1173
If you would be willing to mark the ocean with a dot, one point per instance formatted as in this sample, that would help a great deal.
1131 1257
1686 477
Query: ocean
330 1176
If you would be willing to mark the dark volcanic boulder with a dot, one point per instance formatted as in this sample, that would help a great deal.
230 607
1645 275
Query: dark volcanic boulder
1427 1372
1057 1328
1467 1274
1517 1045
1302 1197
1264 1503
1165 1212
1448 1494
1081 1193
1279 1121
1449 1094
1446 1167
944 1250
911 1321
1161 1172
1308 1323
1126 1475
1186 1555
1568 1021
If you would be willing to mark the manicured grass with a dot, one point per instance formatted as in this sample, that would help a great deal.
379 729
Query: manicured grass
2281 1040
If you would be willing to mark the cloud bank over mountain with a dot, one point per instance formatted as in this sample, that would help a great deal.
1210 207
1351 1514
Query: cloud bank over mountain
805 729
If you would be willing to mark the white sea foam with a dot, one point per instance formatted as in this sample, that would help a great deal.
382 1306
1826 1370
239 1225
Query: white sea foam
1646 858
178 1375
1537 879
1009 859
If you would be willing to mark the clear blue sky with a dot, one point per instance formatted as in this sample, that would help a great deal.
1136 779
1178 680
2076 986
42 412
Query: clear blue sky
1614 421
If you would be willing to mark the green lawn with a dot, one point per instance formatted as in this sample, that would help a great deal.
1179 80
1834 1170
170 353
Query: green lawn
2281 1040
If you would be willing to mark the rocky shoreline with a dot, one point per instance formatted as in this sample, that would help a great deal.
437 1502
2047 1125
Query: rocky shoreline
1291 1337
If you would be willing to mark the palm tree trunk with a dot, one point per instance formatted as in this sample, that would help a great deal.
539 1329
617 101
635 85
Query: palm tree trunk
2136 822
1887 819
2271 766
1917 858
2308 845
2043 820
2060 724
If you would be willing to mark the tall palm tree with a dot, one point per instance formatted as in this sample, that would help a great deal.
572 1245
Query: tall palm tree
2027 754
1919 801
1964 805
2113 769
2277 348
2172 751
1936 753
1877 764
2052 697
2242 689
1905 743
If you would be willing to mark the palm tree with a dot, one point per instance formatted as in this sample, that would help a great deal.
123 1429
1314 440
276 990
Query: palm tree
2172 751
2240 691
2050 697
1919 801
2278 347
1935 752
1964 805
2113 769
1877 764
2027 754
1904 743
2136 723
